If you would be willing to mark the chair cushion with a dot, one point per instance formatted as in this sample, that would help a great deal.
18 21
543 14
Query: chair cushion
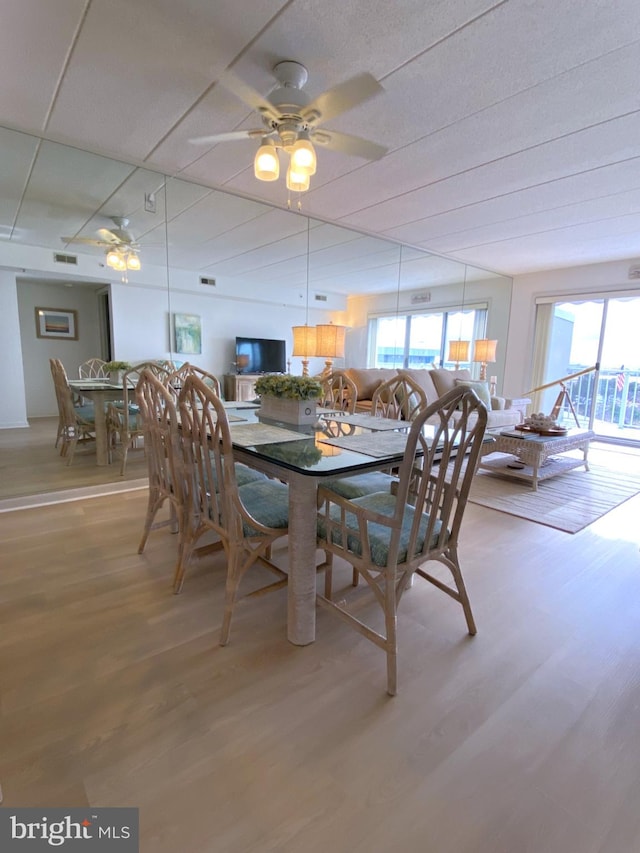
86 413
480 387
268 502
360 484
379 535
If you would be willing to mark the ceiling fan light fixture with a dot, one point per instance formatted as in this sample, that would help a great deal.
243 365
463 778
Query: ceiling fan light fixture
266 165
113 259
133 261
303 155
297 181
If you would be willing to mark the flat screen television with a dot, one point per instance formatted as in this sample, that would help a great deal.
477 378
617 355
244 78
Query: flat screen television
260 355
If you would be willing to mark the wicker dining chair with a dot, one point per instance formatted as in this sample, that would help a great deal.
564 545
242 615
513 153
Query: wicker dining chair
177 377
160 425
388 538
339 392
75 423
93 368
399 398
123 416
247 519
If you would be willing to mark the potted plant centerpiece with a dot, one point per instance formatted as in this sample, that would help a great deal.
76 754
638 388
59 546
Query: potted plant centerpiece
115 369
291 399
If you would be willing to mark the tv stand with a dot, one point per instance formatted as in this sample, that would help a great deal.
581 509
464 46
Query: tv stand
240 386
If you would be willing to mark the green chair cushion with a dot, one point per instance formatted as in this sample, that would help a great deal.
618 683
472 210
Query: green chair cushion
86 413
361 484
379 535
267 502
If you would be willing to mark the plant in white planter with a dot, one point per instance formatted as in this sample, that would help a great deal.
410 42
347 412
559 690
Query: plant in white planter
115 369
291 399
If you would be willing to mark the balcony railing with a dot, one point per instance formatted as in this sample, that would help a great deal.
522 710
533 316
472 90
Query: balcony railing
617 401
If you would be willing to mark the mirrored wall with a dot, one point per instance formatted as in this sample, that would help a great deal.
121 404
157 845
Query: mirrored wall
241 267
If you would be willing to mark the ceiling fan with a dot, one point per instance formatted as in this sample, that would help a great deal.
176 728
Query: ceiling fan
121 246
292 121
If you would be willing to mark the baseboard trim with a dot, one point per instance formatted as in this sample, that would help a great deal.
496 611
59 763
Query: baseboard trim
32 501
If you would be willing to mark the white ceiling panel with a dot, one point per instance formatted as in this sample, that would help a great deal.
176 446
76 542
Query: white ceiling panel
512 130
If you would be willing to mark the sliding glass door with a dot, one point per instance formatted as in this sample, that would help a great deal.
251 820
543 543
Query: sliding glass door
596 338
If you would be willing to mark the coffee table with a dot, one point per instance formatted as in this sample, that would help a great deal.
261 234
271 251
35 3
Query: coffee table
534 457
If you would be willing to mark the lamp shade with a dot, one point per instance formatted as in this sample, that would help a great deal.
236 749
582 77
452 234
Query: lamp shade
330 340
484 350
304 341
266 165
458 351
303 155
297 181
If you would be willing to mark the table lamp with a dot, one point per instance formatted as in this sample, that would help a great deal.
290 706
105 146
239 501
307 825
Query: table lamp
330 343
484 351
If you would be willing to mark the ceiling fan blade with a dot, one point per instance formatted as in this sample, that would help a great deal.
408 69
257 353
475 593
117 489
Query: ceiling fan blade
231 136
107 236
248 94
341 98
86 241
348 144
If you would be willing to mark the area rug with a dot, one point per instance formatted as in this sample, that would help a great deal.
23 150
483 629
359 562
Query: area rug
568 502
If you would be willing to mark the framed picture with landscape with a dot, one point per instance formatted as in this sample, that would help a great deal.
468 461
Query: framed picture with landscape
57 323
187 333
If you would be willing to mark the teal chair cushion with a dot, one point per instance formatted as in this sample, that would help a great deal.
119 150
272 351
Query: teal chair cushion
361 484
267 502
244 474
87 413
379 535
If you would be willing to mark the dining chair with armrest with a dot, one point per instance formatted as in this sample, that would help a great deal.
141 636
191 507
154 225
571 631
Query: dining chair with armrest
248 519
75 423
388 538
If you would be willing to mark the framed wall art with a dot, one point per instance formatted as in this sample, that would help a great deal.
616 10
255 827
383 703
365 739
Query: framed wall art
187 334
59 323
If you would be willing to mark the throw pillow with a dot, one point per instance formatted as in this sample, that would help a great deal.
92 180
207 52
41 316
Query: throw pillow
481 388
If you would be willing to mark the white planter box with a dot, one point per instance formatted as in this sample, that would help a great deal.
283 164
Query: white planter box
299 412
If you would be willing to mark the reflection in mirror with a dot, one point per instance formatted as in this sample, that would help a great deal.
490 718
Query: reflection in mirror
233 266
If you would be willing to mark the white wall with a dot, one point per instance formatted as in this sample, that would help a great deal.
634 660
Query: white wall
36 352
13 412
568 283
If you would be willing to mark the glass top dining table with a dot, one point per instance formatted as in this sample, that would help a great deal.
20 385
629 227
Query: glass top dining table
303 459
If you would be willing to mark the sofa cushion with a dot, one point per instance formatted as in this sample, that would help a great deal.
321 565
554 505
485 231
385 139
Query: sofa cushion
422 377
445 380
480 387
367 379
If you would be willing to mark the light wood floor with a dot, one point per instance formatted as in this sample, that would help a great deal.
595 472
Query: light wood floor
525 738
31 465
